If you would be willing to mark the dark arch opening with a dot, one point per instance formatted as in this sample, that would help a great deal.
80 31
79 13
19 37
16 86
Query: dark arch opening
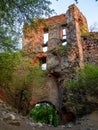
45 112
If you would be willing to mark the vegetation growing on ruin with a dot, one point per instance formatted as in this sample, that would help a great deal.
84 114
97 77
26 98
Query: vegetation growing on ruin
90 35
18 77
83 30
84 89
61 50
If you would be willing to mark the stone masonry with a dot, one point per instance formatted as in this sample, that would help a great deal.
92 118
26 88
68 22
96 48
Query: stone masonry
65 51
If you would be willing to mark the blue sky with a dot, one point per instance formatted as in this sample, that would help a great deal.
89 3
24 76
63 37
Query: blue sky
88 7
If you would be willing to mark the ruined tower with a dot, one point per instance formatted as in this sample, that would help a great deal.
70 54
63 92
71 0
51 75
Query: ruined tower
57 46
56 33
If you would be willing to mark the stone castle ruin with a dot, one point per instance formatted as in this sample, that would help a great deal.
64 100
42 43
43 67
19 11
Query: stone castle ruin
59 47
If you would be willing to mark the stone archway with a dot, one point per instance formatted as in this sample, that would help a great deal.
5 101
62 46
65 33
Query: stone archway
44 112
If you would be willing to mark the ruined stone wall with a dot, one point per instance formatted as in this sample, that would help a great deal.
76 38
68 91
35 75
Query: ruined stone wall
72 23
33 37
32 40
64 59
90 48
65 53
75 21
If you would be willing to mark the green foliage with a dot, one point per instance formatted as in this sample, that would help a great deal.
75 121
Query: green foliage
61 49
83 30
85 84
11 81
44 113
18 77
7 43
91 35
87 80
37 76
25 77
24 11
13 14
8 62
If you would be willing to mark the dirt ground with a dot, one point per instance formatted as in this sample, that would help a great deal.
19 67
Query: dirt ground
10 120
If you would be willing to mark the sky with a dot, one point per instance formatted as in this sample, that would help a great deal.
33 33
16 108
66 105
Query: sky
89 8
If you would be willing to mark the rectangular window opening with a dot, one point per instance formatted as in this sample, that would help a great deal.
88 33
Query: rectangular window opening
44 66
45 38
64 33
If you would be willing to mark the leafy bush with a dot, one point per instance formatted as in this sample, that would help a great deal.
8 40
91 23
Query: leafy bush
87 80
84 87
8 63
18 76
44 113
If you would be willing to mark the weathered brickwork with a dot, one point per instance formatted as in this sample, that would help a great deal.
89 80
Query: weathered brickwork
66 51
90 48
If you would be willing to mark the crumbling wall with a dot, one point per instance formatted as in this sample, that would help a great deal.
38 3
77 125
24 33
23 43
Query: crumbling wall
66 58
75 21
33 37
61 60
90 48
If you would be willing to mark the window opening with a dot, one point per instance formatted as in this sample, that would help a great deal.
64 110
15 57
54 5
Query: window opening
44 66
45 38
63 33
64 43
